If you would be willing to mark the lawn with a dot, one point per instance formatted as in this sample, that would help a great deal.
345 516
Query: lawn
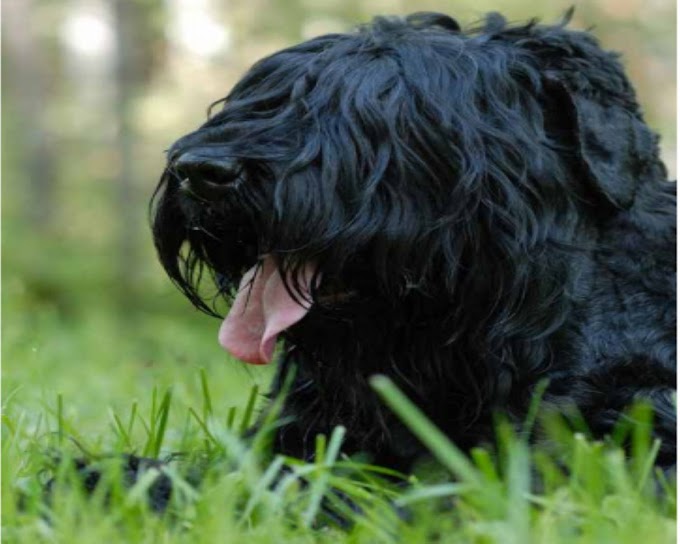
84 381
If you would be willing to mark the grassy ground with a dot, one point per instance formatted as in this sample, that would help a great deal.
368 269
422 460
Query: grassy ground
81 380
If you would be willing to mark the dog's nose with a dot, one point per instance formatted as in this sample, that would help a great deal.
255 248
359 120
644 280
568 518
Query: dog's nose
211 164
206 174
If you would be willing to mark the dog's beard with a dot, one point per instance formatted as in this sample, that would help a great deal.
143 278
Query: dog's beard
262 309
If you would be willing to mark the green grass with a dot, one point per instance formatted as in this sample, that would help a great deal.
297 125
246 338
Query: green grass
81 381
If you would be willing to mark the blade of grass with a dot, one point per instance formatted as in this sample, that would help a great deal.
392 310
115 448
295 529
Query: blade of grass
438 444
131 419
60 419
231 418
273 471
207 401
646 467
535 404
162 417
151 430
325 457
431 492
250 408
204 428
119 429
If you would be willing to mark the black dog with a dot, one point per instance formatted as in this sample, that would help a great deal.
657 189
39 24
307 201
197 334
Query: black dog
466 212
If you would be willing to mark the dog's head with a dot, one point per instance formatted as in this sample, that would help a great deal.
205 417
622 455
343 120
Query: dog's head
408 176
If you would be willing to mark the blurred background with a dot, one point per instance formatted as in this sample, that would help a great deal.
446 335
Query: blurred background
95 90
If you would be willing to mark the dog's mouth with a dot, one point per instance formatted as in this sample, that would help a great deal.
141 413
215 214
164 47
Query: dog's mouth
262 309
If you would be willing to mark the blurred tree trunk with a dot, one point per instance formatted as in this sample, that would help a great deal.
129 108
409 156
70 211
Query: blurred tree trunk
138 26
29 92
127 208
139 50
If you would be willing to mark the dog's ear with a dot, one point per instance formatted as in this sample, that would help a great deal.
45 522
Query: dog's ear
613 143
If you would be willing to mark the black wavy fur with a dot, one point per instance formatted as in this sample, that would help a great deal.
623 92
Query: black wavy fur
486 209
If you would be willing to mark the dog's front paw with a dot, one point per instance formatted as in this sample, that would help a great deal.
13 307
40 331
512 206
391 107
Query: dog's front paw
90 474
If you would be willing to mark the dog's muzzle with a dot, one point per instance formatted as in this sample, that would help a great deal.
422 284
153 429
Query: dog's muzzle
207 175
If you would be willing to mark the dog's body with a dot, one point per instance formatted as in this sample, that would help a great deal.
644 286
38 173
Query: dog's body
469 213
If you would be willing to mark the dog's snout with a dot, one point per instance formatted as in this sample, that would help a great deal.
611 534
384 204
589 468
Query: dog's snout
214 167
206 176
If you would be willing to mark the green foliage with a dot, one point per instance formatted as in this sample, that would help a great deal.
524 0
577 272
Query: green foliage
575 490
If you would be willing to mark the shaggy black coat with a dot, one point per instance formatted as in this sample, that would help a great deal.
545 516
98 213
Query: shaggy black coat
486 209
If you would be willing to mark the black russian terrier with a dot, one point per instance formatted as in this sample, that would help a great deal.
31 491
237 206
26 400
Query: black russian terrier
467 212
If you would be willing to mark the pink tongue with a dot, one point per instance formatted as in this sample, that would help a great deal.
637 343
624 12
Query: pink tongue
260 312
